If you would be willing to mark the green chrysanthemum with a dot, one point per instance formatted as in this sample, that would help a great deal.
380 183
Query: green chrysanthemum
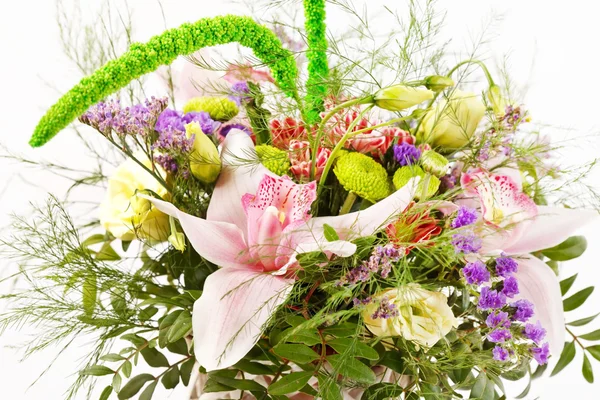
362 175
434 163
220 108
274 159
404 174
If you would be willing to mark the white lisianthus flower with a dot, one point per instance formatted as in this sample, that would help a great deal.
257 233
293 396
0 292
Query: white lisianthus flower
412 312
125 214
452 122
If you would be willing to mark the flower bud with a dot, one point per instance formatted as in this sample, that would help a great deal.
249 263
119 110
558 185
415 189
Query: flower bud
497 101
400 97
434 163
437 83
452 122
404 174
204 159
177 239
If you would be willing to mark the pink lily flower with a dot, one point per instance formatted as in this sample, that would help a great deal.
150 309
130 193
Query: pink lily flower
256 225
516 226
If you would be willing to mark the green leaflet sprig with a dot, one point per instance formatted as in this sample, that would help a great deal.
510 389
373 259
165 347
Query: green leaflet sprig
318 69
163 50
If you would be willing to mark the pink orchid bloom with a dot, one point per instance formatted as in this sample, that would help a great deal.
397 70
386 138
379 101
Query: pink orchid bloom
516 226
237 73
256 225
301 160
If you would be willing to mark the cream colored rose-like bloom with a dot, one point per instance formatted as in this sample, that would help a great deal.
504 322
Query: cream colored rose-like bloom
423 317
124 214
452 122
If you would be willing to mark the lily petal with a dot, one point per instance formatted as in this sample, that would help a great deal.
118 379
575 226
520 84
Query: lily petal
539 285
239 175
220 243
229 316
552 226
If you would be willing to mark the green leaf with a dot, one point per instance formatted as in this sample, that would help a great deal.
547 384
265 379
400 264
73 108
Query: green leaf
134 385
393 360
381 391
553 266
106 393
352 368
566 284
290 383
294 320
330 233
255 368
592 336
147 313
308 337
566 357
171 378
181 326
577 299
525 391
96 370
298 353
483 388
353 348
179 347
107 253
240 384
329 389
94 239
594 351
116 382
539 371
571 248
154 358
90 294
125 245
135 339
112 357
588 372
185 371
344 329
149 391
127 368
583 321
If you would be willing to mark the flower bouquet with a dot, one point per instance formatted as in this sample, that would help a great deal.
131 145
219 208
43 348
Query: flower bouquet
307 236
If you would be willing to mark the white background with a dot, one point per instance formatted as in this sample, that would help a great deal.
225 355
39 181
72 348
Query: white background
553 55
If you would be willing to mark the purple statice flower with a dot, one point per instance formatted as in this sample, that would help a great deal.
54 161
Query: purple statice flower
381 260
466 243
484 152
500 354
541 354
170 118
385 310
362 273
361 302
506 266
207 124
534 332
465 216
447 182
172 140
406 154
491 299
239 91
476 273
167 162
499 335
227 128
511 287
386 256
523 310
498 319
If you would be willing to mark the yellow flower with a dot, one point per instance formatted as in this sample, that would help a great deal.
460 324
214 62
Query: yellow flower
204 160
400 97
422 316
126 215
451 123
497 101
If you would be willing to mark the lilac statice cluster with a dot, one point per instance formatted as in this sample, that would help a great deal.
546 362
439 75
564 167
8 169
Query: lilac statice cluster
385 310
381 260
110 117
507 322
172 145
406 154
466 242
178 120
239 93
464 216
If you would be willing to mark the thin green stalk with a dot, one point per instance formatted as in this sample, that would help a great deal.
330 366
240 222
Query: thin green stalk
348 203
425 189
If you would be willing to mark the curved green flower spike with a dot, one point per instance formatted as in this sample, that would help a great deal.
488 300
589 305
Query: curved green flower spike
163 50
318 69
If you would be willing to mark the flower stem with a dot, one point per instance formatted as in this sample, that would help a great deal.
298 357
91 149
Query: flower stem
348 203
425 189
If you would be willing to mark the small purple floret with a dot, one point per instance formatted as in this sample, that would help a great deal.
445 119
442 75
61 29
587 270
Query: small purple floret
491 299
499 336
499 319
506 266
534 332
476 273
524 310
406 154
465 216
500 354
227 128
511 287
466 243
385 310
541 354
